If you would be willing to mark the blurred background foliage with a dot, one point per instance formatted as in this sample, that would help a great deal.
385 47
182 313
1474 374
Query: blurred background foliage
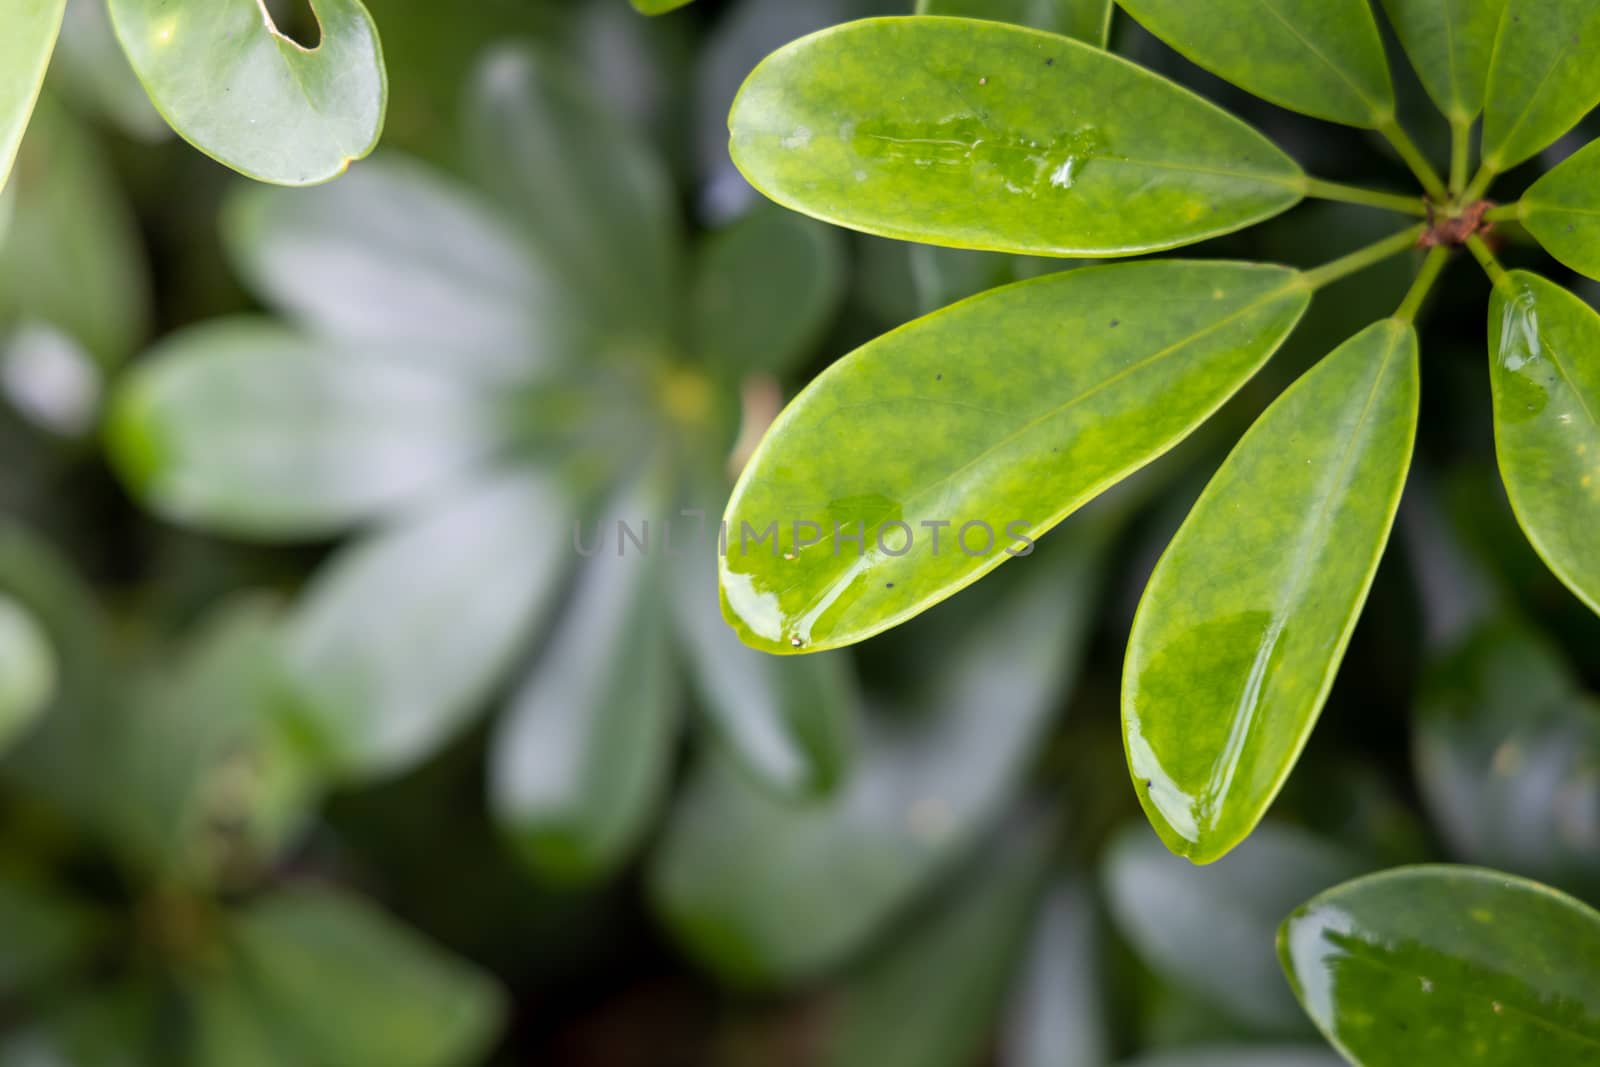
324 744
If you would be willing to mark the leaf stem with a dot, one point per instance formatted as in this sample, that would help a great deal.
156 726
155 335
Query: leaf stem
1480 183
1460 152
1504 213
1363 258
1491 266
1432 267
1351 194
1431 182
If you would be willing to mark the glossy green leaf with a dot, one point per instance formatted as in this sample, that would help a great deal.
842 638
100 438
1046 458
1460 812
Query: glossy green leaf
27 670
1448 965
396 255
1087 20
247 427
25 48
588 191
579 763
1059 1008
932 997
1562 210
1450 43
997 137
1240 1056
339 983
1012 409
93 72
1508 757
399 639
1224 679
766 891
253 99
1544 367
1543 78
765 289
1209 930
1321 57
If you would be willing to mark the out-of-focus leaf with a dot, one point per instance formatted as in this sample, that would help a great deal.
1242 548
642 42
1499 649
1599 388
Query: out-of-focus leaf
72 257
1224 680
1508 757
579 763
1037 145
931 998
45 932
1448 965
91 70
1209 930
1543 78
31 30
1450 43
28 670
1240 1056
50 379
113 1027
765 288
248 427
1544 367
984 417
253 99
394 254
338 984
1562 210
1059 1013
401 637
1087 20
764 891
590 193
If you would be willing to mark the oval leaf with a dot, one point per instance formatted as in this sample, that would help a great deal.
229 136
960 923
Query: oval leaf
990 136
248 96
1544 366
31 28
1060 1011
1225 678
1320 57
1001 415
1543 78
27 669
1562 210
1450 43
1448 965
1087 20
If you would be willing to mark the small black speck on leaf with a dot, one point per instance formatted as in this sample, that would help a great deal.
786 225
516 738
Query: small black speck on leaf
888 585
1050 62
938 377
1115 323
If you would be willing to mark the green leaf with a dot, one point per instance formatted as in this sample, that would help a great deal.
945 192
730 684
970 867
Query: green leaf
1448 965
1508 757
765 289
1209 930
28 670
247 427
1225 679
658 7
579 765
253 99
31 30
1087 20
766 891
1239 1056
400 256
997 137
340 983
402 636
1562 210
91 70
1543 78
1012 409
1320 57
932 997
588 191
1450 43
1544 367
1059 1009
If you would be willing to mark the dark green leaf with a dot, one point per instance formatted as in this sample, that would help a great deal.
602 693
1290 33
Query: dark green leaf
1012 409
30 37
1448 965
1087 20
1543 78
253 99
1544 365
1450 43
1320 57
997 137
47 933
1225 678
1562 210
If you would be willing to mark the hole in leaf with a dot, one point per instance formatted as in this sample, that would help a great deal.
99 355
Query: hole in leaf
295 20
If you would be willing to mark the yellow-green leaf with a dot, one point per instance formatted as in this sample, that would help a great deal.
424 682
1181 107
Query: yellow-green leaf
1087 20
28 39
1562 210
1543 78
